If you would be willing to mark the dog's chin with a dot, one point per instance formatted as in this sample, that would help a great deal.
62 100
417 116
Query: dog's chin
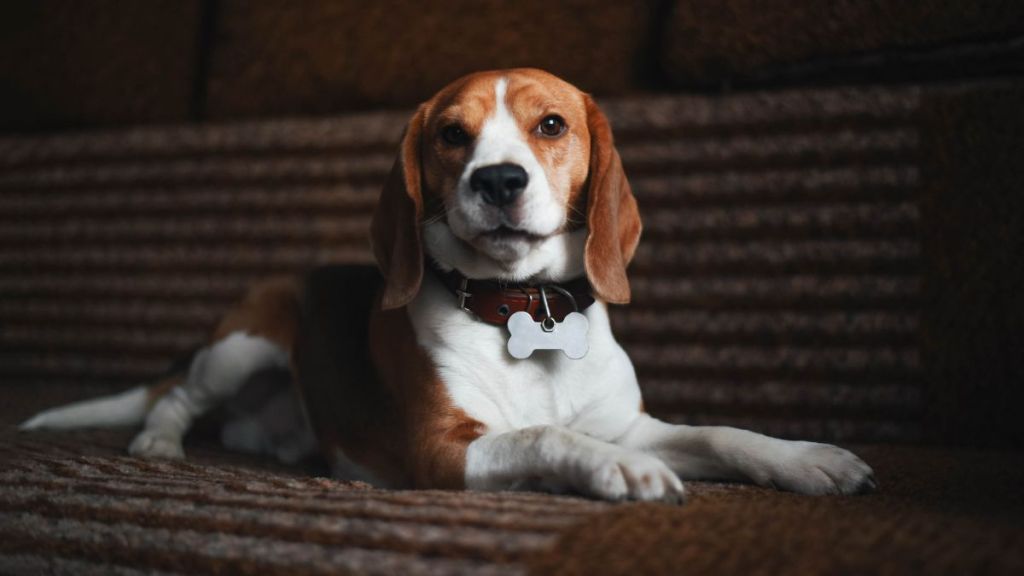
506 245
507 254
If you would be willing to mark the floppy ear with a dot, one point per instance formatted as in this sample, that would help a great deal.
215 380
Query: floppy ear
395 230
612 215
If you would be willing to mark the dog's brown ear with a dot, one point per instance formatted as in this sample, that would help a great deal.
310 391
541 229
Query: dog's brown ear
395 230
612 214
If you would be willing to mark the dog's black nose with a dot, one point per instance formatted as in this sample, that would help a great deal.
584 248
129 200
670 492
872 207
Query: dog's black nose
499 184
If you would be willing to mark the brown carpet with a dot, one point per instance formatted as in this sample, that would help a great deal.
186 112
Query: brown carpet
938 511
72 503
59 507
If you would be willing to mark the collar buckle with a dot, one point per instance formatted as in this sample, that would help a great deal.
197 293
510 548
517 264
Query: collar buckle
463 294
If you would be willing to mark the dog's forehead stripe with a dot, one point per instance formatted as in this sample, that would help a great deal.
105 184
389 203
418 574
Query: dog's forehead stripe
501 139
500 89
500 123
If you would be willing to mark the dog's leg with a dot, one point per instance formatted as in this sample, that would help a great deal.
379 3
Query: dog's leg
558 457
217 372
279 428
731 454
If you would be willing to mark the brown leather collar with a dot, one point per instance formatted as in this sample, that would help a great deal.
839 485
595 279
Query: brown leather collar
493 301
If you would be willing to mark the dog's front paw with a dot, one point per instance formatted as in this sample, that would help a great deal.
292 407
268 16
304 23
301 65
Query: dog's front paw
153 444
812 468
634 476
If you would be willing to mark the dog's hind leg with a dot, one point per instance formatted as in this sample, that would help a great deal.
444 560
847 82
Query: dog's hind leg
255 336
217 373
268 417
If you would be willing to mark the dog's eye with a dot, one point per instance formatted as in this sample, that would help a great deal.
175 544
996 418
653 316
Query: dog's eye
552 126
454 135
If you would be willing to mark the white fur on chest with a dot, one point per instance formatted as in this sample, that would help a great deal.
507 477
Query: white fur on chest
589 395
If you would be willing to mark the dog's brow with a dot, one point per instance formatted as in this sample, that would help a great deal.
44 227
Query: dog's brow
531 103
450 114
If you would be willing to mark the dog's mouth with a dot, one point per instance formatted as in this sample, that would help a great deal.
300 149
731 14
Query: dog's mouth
507 234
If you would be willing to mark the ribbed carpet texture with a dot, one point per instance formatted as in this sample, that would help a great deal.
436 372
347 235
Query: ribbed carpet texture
64 512
74 504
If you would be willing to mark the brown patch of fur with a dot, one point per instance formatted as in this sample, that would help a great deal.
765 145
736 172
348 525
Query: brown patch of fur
612 214
395 229
434 432
371 391
468 103
269 309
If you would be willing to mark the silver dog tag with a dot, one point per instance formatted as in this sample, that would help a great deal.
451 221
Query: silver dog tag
569 335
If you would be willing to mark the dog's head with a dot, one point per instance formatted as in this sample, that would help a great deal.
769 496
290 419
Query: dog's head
508 174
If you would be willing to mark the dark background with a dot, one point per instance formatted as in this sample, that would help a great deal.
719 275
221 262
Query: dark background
69 64
832 188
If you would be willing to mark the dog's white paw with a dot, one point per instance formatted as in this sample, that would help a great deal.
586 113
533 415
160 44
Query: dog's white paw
634 476
812 468
153 444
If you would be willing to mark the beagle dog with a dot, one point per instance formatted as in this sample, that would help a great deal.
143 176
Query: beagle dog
480 355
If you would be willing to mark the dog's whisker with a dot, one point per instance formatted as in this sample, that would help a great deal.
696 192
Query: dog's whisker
577 212
436 218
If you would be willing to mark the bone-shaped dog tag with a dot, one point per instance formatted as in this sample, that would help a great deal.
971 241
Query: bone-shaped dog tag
569 335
